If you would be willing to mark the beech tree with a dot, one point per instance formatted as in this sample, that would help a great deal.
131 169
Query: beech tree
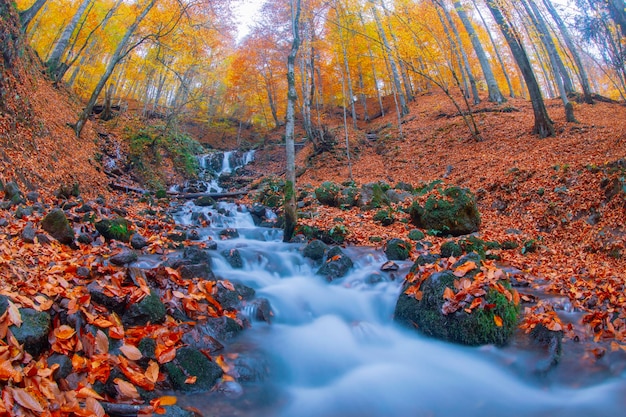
26 16
291 216
543 124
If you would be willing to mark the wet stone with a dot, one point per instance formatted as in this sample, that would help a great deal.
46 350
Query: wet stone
233 257
33 333
125 257
148 310
192 362
28 234
138 242
65 365
201 270
315 250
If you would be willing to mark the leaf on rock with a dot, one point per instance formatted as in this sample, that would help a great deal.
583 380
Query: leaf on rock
26 400
131 352
497 320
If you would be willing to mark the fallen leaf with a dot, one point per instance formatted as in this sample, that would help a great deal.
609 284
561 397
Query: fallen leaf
191 380
26 400
102 342
461 270
126 389
152 373
91 404
131 352
497 320
14 314
448 294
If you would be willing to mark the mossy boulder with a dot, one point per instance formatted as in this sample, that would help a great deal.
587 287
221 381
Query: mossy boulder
328 194
384 217
373 195
337 264
455 213
33 333
13 193
397 250
190 362
348 197
450 248
479 327
149 310
416 235
57 225
233 257
117 228
204 201
315 250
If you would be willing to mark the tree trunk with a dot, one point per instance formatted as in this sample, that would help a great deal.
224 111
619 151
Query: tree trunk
546 38
492 85
27 15
497 52
392 62
291 215
582 72
468 68
54 61
372 62
543 124
120 52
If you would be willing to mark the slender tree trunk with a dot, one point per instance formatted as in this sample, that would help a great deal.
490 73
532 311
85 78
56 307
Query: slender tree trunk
546 37
362 95
404 108
497 52
27 15
543 124
581 71
119 53
54 61
457 54
372 62
492 85
291 215
459 43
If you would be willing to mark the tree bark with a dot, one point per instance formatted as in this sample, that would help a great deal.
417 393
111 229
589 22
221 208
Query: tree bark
291 215
495 95
543 124
27 15
581 71
53 63
120 52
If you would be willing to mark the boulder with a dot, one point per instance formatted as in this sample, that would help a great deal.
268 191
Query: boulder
328 194
65 365
117 228
33 333
233 257
336 266
492 322
373 195
450 248
57 225
149 310
416 235
190 362
397 250
204 201
195 255
138 242
229 234
201 270
455 213
125 257
13 193
315 250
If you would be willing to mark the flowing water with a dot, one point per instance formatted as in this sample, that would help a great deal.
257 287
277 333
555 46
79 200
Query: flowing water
332 349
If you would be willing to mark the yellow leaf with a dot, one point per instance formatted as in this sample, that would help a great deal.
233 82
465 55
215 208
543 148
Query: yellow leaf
497 320
131 352
26 400
191 380
168 400
86 392
14 314
464 269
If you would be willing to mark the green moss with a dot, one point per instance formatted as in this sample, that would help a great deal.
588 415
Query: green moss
416 234
455 213
328 194
115 229
385 217
450 248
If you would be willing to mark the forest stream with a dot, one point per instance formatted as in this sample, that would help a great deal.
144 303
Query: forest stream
332 349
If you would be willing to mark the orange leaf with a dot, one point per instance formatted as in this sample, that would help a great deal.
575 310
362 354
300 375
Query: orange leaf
86 392
168 400
166 355
448 294
191 380
95 407
497 320
461 270
131 352
26 400
152 373
102 342
64 332
14 314
126 389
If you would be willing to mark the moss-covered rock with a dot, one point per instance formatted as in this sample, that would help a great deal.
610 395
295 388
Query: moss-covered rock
148 310
58 226
385 217
479 246
315 250
397 250
373 195
455 213
416 235
328 194
492 323
233 257
33 333
348 197
204 201
336 266
117 228
190 362
450 248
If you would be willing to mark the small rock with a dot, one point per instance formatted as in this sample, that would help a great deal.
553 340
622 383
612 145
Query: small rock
148 310
190 362
28 234
260 310
315 250
84 238
83 272
336 266
177 236
23 211
58 226
4 222
33 333
416 235
65 365
397 250
195 255
111 302
201 270
117 228
204 201
389 266
450 248
12 193
229 234
233 257
125 257
138 242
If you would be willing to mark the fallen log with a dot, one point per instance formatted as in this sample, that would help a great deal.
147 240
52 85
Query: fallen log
128 188
122 410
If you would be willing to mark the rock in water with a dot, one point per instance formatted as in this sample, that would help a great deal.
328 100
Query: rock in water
315 250
58 226
337 265
491 321
397 250
455 213
190 362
